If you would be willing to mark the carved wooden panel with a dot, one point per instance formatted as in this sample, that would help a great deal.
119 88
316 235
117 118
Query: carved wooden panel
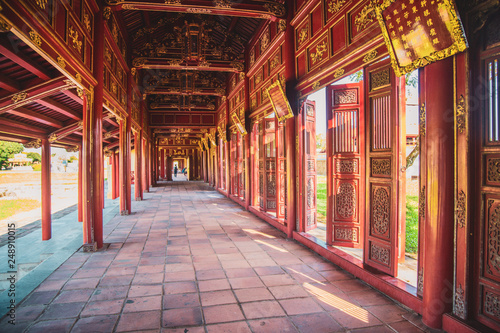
379 79
302 34
491 304
346 234
492 238
381 167
380 211
334 7
347 166
346 197
493 170
345 96
380 254
362 18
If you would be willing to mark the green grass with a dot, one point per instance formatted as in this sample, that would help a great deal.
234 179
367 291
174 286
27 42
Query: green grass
411 224
11 207
321 195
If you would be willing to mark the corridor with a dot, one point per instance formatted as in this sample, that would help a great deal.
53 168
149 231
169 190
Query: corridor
190 260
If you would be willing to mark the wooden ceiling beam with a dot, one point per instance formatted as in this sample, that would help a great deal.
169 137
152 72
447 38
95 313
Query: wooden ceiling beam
58 107
71 94
260 10
19 129
9 84
8 51
35 116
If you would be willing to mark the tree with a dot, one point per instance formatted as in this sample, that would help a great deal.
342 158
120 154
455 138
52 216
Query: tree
37 158
321 142
7 150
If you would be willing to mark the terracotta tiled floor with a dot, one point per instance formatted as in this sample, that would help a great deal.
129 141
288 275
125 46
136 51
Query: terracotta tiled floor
190 260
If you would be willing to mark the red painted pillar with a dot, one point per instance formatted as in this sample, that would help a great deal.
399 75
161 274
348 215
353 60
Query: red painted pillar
162 163
191 167
290 123
439 207
123 168
138 166
144 166
116 175
46 204
80 185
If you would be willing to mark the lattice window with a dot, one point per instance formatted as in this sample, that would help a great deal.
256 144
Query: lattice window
381 120
493 109
345 131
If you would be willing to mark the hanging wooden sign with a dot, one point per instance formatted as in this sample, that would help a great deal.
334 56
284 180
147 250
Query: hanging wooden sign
238 124
279 101
419 32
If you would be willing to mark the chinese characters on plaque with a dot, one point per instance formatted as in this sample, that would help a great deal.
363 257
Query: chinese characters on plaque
419 32
279 101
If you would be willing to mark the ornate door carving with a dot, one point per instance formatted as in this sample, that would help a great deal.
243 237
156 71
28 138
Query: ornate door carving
270 164
233 168
385 146
308 166
241 165
487 138
345 150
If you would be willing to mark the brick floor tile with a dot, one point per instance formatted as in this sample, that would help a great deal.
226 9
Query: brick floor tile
370 297
138 304
61 275
177 301
182 317
145 290
316 323
63 310
89 272
150 278
297 306
239 327
277 280
96 324
210 274
28 313
147 269
190 329
251 295
222 313
290 291
59 325
388 313
180 287
272 270
239 272
263 309
355 318
217 298
350 285
102 308
207 266
122 280
374 329
121 270
336 275
405 327
86 283
40 297
51 285
272 325
106 293
179 276
139 321
246 282
71 296
211 285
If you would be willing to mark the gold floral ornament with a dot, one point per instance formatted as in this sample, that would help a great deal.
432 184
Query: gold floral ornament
34 144
338 73
52 138
73 35
20 96
365 17
335 5
222 3
106 13
282 25
35 37
41 3
302 35
320 50
316 85
73 149
370 56
61 62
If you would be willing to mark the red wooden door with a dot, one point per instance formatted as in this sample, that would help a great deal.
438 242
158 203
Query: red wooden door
307 175
281 179
385 147
233 168
241 165
262 171
345 149
270 163
255 153
487 255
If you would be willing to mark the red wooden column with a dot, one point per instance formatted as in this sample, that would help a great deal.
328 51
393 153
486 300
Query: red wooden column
191 167
439 206
138 166
195 165
116 175
290 123
46 200
162 163
144 166
92 148
125 191
113 160
80 185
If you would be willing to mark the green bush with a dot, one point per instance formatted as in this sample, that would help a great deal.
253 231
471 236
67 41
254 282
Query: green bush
411 224
37 167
